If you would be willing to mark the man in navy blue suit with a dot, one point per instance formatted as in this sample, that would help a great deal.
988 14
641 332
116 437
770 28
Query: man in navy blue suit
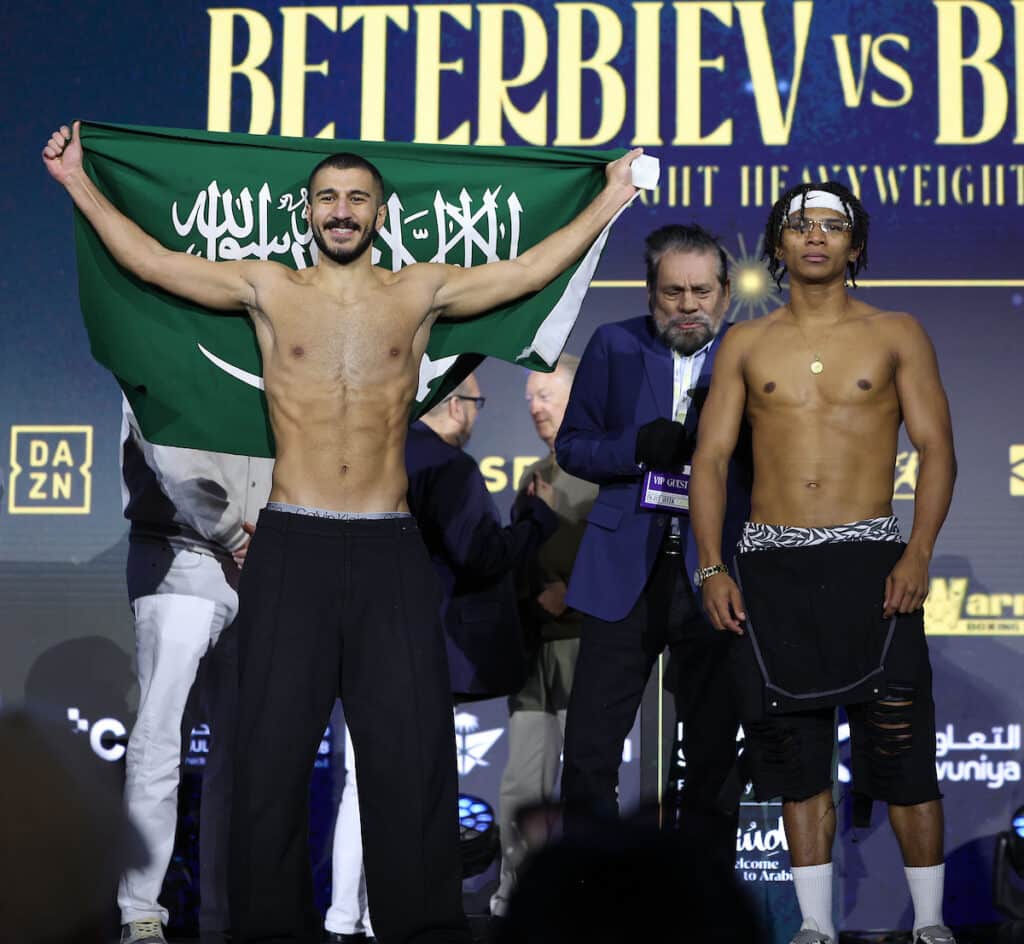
630 427
474 556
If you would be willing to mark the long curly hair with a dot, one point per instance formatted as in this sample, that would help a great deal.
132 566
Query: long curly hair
780 211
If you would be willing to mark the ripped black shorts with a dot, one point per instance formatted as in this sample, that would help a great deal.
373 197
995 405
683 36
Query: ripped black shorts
816 638
892 743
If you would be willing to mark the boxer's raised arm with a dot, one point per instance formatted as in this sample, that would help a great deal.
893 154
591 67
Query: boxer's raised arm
464 292
226 286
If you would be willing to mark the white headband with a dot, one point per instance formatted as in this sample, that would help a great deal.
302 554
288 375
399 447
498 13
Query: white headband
817 198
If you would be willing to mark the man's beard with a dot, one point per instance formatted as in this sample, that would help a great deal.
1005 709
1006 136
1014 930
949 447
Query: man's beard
343 256
684 342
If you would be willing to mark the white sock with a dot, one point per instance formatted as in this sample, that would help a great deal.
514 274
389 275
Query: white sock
813 884
926 886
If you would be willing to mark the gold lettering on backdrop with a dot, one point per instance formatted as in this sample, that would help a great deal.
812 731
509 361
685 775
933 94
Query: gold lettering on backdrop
887 180
223 69
777 183
689 66
374 58
1016 453
987 198
995 604
62 454
674 188
944 182
853 86
892 70
494 102
919 185
762 185
871 55
62 485
51 470
571 67
678 183
751 185
987 614
38 490
1018 66
853 177
430 65
944 603
708 173
953 63
961 185
775 127
647 78
492 468
294 67
522 60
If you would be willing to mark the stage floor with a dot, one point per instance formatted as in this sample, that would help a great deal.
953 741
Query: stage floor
988 934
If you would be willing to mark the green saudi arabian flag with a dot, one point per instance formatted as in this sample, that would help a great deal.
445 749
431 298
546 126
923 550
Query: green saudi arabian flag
194 377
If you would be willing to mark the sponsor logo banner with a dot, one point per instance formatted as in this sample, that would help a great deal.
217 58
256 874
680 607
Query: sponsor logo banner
108 737
953 610
978 766
762 853
51 470
471 743
905 481
1017 470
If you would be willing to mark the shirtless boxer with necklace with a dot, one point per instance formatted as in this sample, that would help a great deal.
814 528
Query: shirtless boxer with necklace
828 598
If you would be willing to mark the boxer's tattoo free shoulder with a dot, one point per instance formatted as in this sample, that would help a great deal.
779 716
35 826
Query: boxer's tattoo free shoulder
824 442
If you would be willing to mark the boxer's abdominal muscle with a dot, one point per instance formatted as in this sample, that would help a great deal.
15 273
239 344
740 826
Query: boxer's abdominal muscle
340 379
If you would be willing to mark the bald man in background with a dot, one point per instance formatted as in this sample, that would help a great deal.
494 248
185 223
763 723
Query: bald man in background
536 724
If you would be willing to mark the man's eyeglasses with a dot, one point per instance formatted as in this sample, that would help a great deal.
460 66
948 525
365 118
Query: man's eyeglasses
804 225
478 402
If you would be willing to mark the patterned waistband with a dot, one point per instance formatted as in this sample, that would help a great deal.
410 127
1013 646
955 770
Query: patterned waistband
761 537
335 515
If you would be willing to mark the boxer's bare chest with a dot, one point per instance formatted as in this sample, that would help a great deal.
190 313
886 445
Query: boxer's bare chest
849 368
349 340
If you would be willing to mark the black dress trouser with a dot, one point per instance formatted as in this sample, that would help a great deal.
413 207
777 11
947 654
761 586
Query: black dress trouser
347 607
614 663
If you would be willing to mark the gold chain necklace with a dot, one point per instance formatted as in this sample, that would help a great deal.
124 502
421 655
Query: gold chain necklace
817 364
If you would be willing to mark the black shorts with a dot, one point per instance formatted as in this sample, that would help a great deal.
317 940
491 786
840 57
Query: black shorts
816 638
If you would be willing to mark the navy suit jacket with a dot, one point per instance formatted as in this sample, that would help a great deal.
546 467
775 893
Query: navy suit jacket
624 381
475 558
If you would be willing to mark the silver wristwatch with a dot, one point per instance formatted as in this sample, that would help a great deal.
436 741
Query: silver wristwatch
702 573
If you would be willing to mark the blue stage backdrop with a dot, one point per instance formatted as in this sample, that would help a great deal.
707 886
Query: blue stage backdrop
918 106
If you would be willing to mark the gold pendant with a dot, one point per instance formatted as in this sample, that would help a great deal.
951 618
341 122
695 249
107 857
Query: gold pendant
817 366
